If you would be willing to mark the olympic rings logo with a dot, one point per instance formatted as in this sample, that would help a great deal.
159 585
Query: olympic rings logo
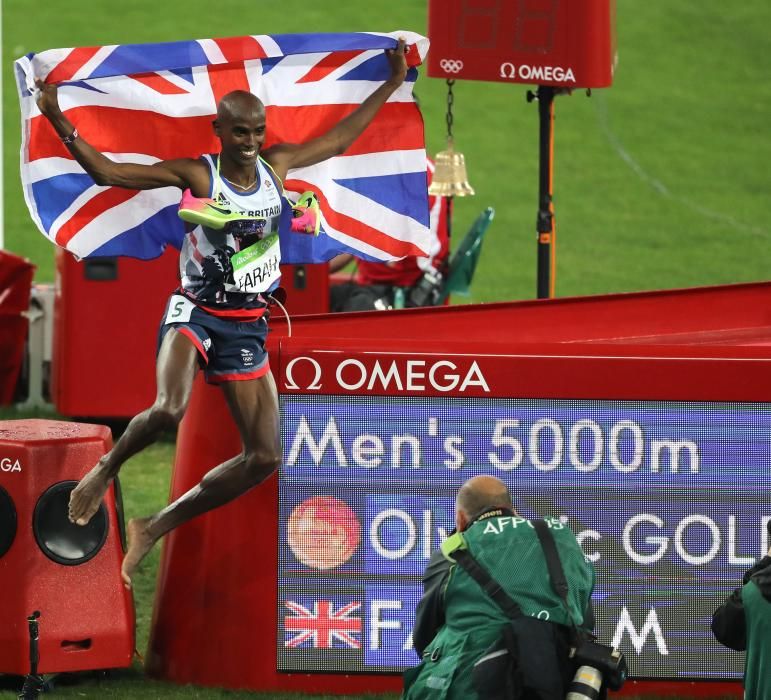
450 65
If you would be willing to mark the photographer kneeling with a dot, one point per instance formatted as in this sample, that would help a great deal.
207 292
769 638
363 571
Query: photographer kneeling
506 612
743 623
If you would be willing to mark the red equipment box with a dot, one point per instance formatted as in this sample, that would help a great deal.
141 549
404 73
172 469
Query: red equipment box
106 315
68 573
15 283
564 43
307 288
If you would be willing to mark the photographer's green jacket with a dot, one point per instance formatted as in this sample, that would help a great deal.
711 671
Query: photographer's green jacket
743 623
456 621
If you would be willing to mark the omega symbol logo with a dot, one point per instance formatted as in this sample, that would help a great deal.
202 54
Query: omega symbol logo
508 70
451 65
315 383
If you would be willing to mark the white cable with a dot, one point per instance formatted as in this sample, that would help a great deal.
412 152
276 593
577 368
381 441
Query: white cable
286 313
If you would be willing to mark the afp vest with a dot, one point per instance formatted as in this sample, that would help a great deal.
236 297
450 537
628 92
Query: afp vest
509 549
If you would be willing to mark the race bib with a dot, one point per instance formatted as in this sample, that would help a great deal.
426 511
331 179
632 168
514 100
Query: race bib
180 309
256 268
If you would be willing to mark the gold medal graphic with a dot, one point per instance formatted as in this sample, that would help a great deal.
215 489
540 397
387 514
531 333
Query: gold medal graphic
323 532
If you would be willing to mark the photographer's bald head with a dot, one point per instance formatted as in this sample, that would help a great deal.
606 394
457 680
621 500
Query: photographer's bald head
478 495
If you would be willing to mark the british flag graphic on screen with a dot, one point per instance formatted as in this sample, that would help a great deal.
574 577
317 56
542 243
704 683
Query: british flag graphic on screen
322 624
149 102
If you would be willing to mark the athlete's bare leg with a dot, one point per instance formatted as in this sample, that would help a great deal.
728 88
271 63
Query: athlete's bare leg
175 372
254 406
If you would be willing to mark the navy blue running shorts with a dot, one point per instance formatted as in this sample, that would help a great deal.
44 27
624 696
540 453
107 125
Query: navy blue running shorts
229 350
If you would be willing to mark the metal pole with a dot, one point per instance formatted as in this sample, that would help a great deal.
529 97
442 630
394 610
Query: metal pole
34 683
545 218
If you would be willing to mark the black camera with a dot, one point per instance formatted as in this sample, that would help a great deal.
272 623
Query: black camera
427 290
608 662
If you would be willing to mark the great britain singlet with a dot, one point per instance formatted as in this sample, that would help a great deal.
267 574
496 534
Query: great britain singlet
231 268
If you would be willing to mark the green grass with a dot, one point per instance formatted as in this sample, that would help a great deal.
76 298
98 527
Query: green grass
660 181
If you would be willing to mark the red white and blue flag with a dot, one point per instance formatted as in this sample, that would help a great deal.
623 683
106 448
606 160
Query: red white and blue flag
322 624
149 102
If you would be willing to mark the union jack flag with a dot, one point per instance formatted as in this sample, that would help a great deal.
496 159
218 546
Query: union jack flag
322 623
149 102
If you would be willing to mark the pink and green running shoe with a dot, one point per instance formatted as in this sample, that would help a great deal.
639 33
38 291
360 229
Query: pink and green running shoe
306 215
208 212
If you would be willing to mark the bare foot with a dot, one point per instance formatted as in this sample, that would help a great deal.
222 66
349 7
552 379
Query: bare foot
87 496
140 542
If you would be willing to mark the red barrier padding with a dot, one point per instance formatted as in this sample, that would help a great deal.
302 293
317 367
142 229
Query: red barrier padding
214 621
729 315
71 575
15 285
216 608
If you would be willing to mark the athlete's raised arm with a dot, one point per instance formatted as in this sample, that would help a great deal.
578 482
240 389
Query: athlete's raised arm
285 156
182 173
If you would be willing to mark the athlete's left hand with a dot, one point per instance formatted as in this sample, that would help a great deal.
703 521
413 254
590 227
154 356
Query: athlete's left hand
396 57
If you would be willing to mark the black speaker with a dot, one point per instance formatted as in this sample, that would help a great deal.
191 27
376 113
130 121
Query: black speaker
61 540
8 522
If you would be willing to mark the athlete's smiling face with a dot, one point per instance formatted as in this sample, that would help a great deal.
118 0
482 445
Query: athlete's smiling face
240 127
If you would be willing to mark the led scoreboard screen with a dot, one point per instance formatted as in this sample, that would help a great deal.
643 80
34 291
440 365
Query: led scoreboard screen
567 43
669 500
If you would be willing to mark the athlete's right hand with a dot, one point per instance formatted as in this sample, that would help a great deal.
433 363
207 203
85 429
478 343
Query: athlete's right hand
47 98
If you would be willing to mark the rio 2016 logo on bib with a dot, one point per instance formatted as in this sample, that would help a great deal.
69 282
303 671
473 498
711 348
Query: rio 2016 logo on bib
256 268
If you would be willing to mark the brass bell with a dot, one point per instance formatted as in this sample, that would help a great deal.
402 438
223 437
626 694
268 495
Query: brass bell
450 179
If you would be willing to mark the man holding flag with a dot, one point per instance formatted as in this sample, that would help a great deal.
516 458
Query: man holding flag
228 268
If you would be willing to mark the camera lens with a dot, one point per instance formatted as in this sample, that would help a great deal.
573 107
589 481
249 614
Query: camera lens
586 684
